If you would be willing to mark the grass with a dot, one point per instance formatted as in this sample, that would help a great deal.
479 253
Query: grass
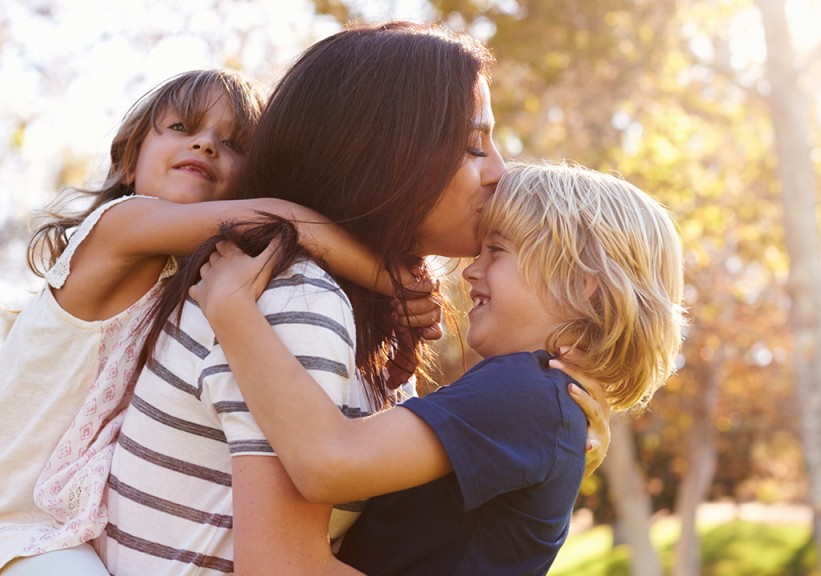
735 548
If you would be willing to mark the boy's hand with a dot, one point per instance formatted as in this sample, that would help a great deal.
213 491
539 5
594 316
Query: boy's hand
231 277
596 408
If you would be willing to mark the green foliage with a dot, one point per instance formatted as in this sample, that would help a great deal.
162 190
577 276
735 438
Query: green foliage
736 548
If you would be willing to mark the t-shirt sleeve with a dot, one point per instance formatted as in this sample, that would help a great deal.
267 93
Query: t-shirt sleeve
503 424
313 317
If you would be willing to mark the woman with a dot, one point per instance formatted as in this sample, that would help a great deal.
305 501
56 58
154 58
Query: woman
387 130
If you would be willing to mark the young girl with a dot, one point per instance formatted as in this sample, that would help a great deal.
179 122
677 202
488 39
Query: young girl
69 359
491 465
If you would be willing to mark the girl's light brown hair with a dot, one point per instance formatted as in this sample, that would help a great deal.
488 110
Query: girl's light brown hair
607 258
189 94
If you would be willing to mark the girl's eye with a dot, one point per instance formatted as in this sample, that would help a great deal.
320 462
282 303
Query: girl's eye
177 127
494 248
477 153
233 145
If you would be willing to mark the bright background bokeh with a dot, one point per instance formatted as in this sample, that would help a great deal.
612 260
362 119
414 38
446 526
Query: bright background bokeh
672 93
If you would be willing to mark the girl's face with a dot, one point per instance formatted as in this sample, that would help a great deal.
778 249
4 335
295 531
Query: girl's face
187 164
450 229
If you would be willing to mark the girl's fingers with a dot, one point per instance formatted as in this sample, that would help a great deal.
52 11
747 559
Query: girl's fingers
432 332
205 268
417 320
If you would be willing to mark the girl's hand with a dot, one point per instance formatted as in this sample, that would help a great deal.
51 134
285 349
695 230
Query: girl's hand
403 362
596 408
417 319
232 277
422 310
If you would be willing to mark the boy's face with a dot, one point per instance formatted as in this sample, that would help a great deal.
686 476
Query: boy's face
185 164
507 315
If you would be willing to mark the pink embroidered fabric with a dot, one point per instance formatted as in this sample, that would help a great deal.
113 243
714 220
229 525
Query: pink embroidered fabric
72 483
71 486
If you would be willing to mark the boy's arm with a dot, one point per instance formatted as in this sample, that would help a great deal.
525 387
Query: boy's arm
348 459
277 531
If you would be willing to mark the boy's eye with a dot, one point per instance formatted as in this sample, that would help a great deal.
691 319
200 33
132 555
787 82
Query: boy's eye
177 127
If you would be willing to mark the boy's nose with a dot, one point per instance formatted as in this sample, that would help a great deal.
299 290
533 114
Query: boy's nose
469 273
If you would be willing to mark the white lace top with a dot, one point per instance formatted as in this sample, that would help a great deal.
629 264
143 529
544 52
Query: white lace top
63 384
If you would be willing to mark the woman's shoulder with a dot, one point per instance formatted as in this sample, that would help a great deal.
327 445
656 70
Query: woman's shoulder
305 284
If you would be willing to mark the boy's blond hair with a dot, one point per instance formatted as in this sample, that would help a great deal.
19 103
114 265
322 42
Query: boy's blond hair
608 258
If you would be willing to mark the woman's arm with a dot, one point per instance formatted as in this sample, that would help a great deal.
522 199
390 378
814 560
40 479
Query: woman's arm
277 531
595 406
348 459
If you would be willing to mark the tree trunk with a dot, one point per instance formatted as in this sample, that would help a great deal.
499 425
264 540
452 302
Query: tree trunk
626 487
789 110
701 465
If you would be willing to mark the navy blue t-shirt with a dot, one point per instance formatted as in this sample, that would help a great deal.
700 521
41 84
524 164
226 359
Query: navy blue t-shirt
516 441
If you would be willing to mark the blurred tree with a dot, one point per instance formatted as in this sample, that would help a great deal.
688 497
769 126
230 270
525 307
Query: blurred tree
628 493
789 111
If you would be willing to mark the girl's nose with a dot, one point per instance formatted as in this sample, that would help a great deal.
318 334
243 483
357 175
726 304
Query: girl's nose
205 144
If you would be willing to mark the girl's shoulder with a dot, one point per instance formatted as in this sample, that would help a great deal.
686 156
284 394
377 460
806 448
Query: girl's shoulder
58 273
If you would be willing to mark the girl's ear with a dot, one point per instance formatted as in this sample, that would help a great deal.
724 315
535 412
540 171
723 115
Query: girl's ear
591 284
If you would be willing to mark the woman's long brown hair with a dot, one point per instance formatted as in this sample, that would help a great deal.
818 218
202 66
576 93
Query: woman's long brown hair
252 237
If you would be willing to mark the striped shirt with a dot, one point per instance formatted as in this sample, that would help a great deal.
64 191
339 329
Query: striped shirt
169 493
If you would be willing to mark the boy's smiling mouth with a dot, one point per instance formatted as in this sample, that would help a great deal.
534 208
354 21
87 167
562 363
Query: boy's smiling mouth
478 299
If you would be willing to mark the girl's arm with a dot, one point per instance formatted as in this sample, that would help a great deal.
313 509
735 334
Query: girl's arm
348 459
277 531
154 227
127 249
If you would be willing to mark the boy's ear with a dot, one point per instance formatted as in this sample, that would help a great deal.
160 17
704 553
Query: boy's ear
591 284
